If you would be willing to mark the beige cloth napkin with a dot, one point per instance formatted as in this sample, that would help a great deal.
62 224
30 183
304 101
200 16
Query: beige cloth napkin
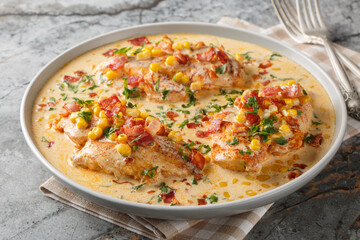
234 227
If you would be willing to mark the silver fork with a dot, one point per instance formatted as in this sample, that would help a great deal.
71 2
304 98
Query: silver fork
287 15
311 29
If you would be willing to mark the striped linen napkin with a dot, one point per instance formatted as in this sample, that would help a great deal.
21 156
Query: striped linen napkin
234 227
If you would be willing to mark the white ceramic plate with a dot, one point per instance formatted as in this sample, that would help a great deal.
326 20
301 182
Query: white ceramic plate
186 212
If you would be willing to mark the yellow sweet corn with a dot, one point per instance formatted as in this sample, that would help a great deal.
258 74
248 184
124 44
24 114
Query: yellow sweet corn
291 82
285 129
292 113
149 118
223 184
81 123
156 52
102 114
304 99
185 79
97 111
119 122
113 137
95 133
195 86
73 117
144 54
226 194
149 47
103 123
240 117
122 138
133 113
255 145
251 193
289 102
239 57
171 61
144 114
123 101
111 74
186 45
174 135
178 76
177 46
123 149
155 67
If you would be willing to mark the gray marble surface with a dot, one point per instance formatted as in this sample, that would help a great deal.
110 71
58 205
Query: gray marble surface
34 32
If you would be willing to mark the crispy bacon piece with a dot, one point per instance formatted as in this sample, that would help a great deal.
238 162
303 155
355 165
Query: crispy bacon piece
133 131
146 139
181 58
168 197
251 118
294 174
292 121
110 101
165 47
264 83
317 140
265 65
223 57
134 80
92 95
201 201
198 176
110 52
202 134
72 107
300 165
270 91
50 144
206 56
263 72
199 45
139 41
79 73
215 125
154 127
198 159
292 91
193 125
118 62
172 115
71 79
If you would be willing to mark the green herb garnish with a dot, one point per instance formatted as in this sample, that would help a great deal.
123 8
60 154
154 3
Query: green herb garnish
192 99
157 85
139 49
86 116
234 142
281 141
165 188
138 186
151 172
122 50
164 93
212 199
272 57
221 69
183 124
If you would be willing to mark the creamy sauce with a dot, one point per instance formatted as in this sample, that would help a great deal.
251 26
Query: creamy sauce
228 185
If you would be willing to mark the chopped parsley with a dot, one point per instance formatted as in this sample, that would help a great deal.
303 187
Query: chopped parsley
234 142
52 99
135 147
268 128
242 152
298 112
281 141
157 85
164 93
191 146
309 138
122 50
230 100
304 92
183 124
137 138
165 188
137 187
87 78
192 99
221 69
251 102
64 96
83 102
43 139
223 92
317 123
93 87
139 49
183 111
246 56
86 116
194 182
212 198
272 57
183 155
108 131
151 172
73 88
52 109
60 86
130 93
131 105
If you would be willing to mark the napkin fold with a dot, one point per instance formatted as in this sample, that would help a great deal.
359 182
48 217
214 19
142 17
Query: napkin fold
233 227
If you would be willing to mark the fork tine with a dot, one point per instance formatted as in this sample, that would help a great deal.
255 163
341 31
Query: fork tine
300 17
290 29
292 13
318 14
313 15
307 14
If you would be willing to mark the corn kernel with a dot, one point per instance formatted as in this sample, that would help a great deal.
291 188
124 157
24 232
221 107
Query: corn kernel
113 137
178 76
285 129
133 112
291 82
265 170
40 119
123 101
226 194
289 102
95 133
144 54
235 180
174 135
149 119
276 69
51 116
103 123
97 111
275 184
123 149
239 57
255 145
81 123
240 117
251 193
265 185
249 177
223 184
283 169
246 183
326 136
73 117
144 114
276 135
304 99
156 52
185 79
149 47
85 109
292 113
122 138
268 142
207 158
263 177
111 74
177 46
186 45
171 61
119 122
195 86
102 114
155 67
260 112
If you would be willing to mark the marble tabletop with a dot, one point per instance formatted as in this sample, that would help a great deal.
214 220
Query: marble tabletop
34 32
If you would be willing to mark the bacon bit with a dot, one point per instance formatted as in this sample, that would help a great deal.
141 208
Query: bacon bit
199 45
317 140
172 115
150 192
270 91
256 77
301 165
198 159
294 174
197 142
134 131
198 176
118 62
71 79
64 114
50 144
134 80
181 58
116 181
92 95
292 91
206 56
251 118
215 125
128 160
193 125
139 41
145 139
277 102
50 104
166 47
72 107
265 65
205 118
188 184
223 57
201 201
184 180
110 101
154 127
168 197
263 72
79 73
265 82
110 52
202 134
292 121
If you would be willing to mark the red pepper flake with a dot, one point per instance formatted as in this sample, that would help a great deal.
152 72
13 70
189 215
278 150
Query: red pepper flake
92 94
150 192
265 65
50 144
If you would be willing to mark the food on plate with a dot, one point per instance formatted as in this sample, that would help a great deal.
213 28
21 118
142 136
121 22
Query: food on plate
183 119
